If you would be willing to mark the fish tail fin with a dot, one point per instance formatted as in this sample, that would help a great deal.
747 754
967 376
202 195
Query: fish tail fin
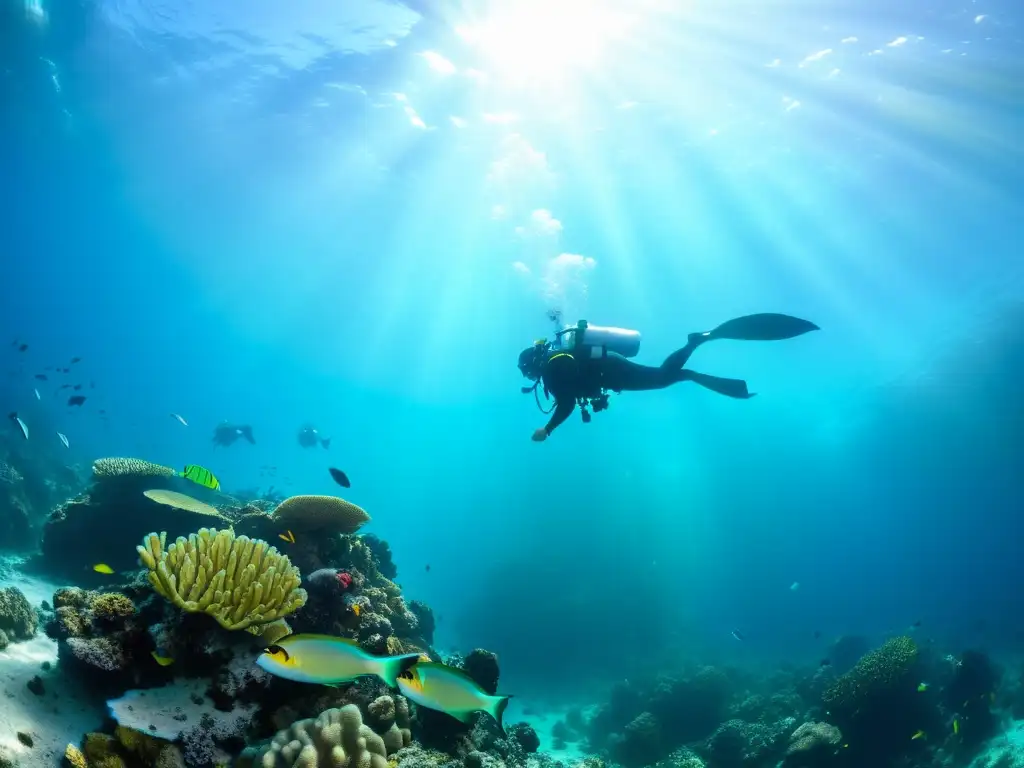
497 710
326 442
391 667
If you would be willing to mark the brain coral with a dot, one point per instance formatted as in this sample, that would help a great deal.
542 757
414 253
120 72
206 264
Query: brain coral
320 513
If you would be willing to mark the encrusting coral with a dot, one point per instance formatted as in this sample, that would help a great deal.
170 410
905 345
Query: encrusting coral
336 739
320 513
237 580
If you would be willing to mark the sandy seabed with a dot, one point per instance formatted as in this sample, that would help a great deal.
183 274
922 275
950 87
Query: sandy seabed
57 718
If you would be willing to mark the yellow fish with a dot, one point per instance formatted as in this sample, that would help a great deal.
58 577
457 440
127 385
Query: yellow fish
956 727
446 689
919 735
356 609
163 661
201 476
103 568
287 536
922 687
329 660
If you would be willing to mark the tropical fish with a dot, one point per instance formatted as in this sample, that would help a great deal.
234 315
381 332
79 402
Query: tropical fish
919 735
76 399
38 397
446 689
736 634
163 661
922 687
42 377
64 439
956 727
340 477
77 387
287 536
180 418
201 476
13 416
75 360
22 347
329 660
428 568
357 609
103 568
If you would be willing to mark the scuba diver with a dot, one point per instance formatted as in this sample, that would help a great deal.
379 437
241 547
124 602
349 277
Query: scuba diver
586 362
226 434
309 437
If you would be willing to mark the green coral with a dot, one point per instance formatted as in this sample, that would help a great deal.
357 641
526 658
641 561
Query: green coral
18 618
105 468
336 739
237 580
875 674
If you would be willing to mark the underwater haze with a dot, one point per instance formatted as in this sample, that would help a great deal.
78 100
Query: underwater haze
356 215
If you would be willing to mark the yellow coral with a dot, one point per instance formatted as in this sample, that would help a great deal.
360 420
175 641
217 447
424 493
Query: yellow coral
140 744
320 513
237 580
73 755
272 632
129 468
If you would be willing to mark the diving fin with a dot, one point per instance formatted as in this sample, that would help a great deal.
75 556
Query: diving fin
729 387
767 326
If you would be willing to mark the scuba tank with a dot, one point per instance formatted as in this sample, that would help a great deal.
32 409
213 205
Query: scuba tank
599 339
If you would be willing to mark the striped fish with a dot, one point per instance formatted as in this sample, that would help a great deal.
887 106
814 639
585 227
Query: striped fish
201 476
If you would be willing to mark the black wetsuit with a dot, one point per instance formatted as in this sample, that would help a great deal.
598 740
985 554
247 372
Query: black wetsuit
567 377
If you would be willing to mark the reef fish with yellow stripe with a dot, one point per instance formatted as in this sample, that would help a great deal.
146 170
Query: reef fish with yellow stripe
329 660
201 476
446 689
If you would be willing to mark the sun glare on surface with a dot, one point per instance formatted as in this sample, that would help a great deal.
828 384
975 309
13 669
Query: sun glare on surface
545 41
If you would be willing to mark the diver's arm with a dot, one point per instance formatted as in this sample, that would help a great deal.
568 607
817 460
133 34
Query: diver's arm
563 408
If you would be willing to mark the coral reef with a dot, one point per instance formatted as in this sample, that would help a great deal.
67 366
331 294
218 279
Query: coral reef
104 524
319 514
18 618
335 739
238 581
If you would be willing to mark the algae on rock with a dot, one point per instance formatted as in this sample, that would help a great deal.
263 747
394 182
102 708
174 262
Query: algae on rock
237 580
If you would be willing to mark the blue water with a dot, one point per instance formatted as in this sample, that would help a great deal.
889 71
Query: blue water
356 215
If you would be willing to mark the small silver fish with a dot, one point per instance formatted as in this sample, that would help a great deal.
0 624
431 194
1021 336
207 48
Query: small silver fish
64 439
37 394
181 419
17 420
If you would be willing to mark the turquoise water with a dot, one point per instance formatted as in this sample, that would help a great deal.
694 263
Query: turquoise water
357 216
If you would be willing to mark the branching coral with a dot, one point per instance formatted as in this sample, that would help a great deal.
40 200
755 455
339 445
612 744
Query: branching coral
237 580
336 739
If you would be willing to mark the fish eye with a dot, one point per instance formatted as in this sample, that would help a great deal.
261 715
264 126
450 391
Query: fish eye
277 650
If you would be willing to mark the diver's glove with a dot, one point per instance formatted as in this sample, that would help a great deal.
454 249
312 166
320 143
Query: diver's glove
540 435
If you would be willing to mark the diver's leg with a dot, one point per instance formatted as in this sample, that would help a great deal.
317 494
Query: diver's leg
729 387
622 375
678 359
